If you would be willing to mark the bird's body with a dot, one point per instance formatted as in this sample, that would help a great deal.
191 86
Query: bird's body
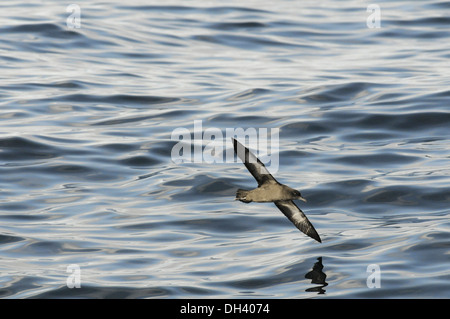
267 192
270 190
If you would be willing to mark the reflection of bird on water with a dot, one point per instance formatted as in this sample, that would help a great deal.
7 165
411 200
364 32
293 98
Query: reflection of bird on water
317 276
269 190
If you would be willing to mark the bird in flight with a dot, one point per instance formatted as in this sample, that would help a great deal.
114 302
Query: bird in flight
270 190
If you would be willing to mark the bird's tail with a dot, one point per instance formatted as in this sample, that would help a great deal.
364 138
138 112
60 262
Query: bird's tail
241 194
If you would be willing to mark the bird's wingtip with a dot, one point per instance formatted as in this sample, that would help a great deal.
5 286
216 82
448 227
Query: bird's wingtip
234 141
315 236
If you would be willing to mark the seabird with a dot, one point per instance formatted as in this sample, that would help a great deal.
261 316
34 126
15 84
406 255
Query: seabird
269 190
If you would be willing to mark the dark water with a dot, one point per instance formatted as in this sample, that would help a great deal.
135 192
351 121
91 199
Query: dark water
86 175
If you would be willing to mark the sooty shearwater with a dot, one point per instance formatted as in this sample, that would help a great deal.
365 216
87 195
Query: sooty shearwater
269 190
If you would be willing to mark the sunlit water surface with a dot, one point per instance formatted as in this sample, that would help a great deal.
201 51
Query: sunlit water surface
87 178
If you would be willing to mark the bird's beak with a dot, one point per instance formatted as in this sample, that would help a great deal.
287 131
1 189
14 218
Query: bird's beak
302 198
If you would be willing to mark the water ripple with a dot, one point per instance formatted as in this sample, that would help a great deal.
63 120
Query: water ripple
87 178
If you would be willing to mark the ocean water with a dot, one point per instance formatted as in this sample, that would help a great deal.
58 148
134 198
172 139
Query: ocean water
90 192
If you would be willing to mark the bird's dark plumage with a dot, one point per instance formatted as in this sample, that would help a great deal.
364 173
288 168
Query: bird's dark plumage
298 218
269 190
253 164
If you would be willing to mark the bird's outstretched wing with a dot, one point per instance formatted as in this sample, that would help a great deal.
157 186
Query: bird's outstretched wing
298 218
253 164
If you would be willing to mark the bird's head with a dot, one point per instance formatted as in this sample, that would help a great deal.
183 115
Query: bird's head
297 195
